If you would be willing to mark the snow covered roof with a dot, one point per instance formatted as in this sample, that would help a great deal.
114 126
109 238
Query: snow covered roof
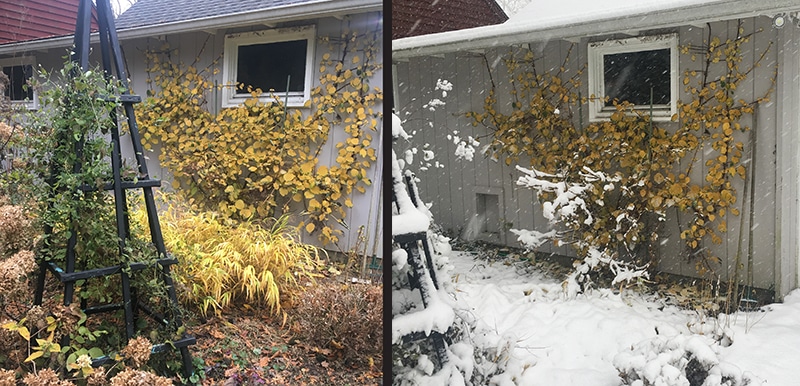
544 20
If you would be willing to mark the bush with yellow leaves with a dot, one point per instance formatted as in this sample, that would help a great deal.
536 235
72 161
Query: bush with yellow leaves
260 160
653 166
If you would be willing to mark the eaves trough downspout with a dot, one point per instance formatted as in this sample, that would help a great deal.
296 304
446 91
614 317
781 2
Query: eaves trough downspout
313 10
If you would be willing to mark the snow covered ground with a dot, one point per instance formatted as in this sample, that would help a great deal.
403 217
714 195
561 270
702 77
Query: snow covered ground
531 334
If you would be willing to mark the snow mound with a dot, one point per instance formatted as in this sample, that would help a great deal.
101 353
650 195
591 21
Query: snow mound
680 360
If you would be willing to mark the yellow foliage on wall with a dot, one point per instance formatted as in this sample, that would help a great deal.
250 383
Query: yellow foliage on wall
261 158
655 165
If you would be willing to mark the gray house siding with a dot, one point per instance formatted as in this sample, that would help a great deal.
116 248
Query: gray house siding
366 207
462 187
366 210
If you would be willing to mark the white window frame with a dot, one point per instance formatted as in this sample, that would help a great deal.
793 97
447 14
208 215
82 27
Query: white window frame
33 103
230 98
596 52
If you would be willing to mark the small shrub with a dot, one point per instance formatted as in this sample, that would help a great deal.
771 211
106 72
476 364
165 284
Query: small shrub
678 360
7 378
13 272
345 319
225 262
45 377
131 377
137 351
16 230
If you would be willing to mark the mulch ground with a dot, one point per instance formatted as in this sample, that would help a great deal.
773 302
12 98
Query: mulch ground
251 347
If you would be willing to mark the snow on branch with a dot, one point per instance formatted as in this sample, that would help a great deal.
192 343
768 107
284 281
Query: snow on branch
568 206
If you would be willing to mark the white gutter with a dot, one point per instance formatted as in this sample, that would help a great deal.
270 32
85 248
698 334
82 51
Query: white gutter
518 32
317 9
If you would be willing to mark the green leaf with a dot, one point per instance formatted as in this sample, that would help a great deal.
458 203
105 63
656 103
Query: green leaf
95 352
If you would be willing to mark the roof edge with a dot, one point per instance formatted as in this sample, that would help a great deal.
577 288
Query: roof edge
519 32
311 10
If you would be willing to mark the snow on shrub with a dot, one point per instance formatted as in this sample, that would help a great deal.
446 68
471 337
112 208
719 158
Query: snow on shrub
571 210
681 360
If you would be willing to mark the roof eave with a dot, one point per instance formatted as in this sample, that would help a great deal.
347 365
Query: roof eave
41 44
518 33
312 10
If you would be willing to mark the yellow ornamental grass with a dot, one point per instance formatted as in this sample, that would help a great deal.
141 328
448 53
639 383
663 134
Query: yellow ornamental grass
224 263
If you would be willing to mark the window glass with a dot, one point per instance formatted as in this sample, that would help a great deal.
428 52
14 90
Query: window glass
18 77
630 76
267 66
641 70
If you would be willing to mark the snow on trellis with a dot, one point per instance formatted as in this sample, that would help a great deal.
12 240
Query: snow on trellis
426 310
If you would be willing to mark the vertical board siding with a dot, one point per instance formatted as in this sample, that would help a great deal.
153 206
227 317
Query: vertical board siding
453 207
203 49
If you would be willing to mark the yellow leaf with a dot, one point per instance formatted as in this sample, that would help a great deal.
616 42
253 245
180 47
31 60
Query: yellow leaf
348 203
23 331
187 121
675 189
655 202
239 204
310 227
34 355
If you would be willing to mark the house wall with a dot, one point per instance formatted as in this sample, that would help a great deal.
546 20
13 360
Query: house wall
208 46
458 190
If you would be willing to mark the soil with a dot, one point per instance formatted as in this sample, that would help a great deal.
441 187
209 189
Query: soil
253 348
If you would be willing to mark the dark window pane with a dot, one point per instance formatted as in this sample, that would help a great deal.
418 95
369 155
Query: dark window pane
629 76
266 66
18 77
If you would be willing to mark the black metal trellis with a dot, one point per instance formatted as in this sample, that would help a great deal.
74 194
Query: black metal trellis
416 244
113 63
